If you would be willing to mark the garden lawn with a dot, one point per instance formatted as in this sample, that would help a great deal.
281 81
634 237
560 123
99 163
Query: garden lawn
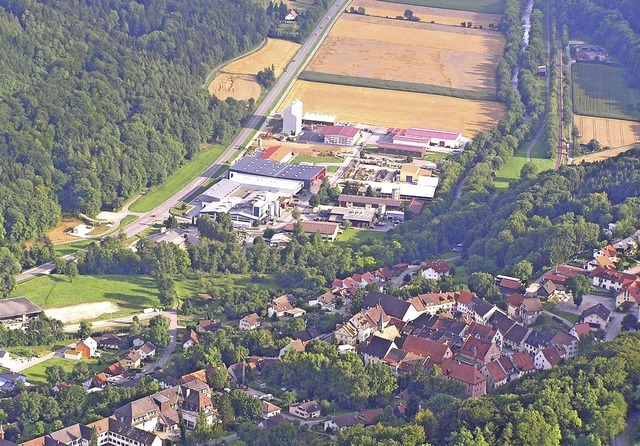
131 294
551 308
178 180
353 236
36 374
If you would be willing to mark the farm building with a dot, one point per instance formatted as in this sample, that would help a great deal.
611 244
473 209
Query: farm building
401 149
419 137
291 16
318 119
278 154
292 120
271 169
328 231
342 135
16 312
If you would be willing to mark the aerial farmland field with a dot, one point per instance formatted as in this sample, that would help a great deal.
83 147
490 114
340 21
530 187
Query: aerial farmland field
600 90
398 50
276 52
426 14
236 86
396 108
609 132
488 6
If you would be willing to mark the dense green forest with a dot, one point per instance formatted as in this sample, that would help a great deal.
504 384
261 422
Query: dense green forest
101 99
545 220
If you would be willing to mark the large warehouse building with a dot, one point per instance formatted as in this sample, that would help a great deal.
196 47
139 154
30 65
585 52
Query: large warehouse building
256 166
418 137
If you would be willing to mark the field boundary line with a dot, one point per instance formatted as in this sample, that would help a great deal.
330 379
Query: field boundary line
218 68
384 84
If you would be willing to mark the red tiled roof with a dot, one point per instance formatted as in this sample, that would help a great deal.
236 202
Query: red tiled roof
462 372
270 151
315 226
510 284
465 297
496 372
339 130
515 300
439 266
425 348
582 329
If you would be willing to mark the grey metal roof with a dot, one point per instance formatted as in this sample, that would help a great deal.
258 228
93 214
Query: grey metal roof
268 168
17 306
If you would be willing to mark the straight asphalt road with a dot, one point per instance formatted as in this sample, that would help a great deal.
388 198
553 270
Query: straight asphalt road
270 102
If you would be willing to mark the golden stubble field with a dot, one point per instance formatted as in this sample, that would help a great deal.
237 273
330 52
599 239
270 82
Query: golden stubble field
609 132
276 52
396 109
236 86
372 47
426 14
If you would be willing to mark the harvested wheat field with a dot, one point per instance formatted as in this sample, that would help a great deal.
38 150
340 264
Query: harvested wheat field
372 47
426 14
609 132
276 52
236 86
388 108
60 233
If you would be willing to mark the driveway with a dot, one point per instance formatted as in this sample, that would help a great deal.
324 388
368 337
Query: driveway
172 315
588 301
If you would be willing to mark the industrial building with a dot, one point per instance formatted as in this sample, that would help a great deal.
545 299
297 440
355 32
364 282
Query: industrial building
342 135
266 168
369 202
292 119
418 137
359 218
255 208
424 190
401 150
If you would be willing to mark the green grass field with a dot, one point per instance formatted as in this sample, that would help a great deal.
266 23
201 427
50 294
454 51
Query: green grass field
332 169
70 248
178 180
551 308
383 84
511 169
240 281
132 294
490 6
127 220
601 90
315 159
353 236
36 375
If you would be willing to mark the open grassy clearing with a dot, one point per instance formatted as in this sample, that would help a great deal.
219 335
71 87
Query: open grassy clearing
127 220
242 281
396 109
131 294
179 179
422 53
36 374
240 87
511 169
353 236
601 90
426 14
276 52
70 248
487 6
614 133
551 308
384 84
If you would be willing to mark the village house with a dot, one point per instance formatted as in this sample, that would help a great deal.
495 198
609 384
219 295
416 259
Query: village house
630 292
342 421
131 361
597 317
477 351
611 280
434 303
296 345
249 322
111 341
508 285
547 291
269 410
210 325
435 269
191 339
283 305
547 358
475 383
522 309
375 349
515 337
305 410
392 306
146 350
435 352
87 347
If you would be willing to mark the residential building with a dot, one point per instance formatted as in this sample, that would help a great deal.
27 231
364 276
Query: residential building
342 421
475 383
191 339
305 410
435 270
434 351
597 317
434 303
269 410
249 322
547 358
111 341
146 350
477 351
392 306
525 310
